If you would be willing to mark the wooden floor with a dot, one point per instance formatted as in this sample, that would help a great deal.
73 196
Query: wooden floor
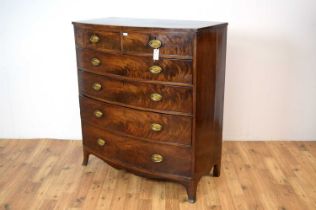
47 174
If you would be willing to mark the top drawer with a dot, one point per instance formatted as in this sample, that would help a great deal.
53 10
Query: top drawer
170 44
100 40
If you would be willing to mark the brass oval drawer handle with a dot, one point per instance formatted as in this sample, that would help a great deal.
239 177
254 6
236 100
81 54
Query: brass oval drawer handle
97 86
94 39
154 43
155 97
157 158
155 69
156 127
95 62
100 142
98 114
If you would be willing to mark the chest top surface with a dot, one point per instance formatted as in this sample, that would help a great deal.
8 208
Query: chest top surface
151 23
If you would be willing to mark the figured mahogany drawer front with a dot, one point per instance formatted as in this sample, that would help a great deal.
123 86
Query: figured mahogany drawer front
136 94
138 67
100 40
138 154
141 124
169 43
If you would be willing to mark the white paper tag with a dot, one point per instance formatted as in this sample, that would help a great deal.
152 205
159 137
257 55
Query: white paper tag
156 54
125 34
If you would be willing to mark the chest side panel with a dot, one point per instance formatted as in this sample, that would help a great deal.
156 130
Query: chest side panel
210 72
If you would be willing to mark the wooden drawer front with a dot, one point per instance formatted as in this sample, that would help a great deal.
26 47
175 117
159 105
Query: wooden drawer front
101 40
141 124
139 154
79 37
136 94
136 66
172 43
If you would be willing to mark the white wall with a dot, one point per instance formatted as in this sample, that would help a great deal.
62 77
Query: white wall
271 63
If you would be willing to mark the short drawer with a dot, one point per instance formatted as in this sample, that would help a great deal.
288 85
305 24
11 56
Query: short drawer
169 43
137 67
100 40
145 125
136 94
149 156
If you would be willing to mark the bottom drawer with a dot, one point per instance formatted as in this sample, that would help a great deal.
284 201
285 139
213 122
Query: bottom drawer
149 156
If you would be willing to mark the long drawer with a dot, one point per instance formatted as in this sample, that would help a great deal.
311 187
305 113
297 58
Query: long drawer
149 156
141 124
137 67
137 94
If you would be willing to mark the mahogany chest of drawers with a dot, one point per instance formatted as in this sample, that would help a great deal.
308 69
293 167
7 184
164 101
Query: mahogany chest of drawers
151 96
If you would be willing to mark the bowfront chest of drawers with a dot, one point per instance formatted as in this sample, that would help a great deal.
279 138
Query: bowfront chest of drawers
151 96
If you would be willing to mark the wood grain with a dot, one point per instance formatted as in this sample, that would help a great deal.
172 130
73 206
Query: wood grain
79 37
255 175
120 23
136 67
195 89
108 40
175 129
121 151
173 43
174 98
210 83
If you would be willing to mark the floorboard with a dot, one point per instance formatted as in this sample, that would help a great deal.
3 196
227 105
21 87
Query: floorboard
47 174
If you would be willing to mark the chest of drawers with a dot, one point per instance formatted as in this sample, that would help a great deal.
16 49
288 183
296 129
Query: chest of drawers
158 116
